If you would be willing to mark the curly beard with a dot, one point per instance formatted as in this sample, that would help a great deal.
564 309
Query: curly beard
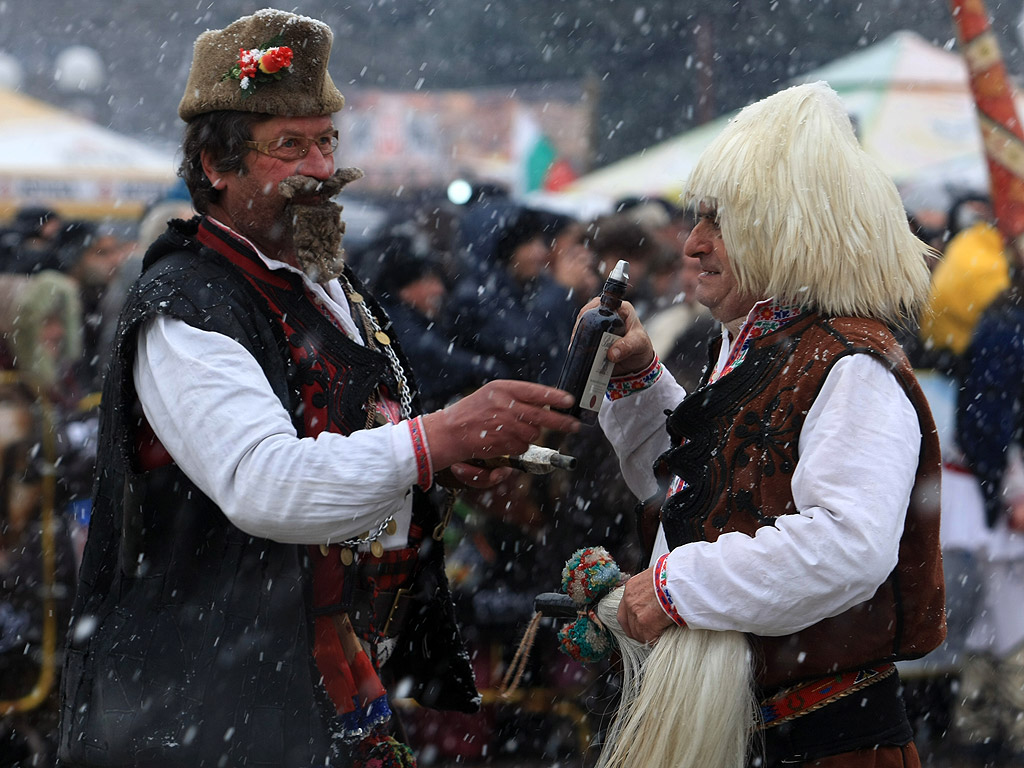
317 228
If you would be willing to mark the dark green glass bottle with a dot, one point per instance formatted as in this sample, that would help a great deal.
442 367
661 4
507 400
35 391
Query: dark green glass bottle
586 370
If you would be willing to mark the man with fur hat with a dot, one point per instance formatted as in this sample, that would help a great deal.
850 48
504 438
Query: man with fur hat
265 536
795 492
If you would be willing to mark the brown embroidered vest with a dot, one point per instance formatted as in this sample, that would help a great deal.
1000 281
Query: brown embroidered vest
741 449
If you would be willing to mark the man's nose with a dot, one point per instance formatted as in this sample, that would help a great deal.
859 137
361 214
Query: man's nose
694 245
316 165
698 242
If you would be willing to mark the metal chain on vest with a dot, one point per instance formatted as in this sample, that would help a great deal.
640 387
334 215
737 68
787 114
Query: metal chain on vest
375 338
374 332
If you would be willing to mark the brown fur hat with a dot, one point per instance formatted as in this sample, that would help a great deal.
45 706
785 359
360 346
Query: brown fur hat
303 89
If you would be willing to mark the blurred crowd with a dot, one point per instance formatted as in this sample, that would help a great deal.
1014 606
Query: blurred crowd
487 290
495 293
969 356
62 283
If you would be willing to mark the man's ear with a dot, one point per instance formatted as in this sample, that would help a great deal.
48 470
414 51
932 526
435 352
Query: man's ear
208 168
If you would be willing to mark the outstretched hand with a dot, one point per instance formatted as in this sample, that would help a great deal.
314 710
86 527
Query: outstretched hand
471 476
634 351
501 418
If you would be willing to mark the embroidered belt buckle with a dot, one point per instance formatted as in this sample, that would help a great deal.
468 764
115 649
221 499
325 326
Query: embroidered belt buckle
808 697
399 594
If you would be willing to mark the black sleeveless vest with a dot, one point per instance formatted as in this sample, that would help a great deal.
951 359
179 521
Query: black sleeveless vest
191 641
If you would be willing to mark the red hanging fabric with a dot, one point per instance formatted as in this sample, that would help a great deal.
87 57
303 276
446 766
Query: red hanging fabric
997 117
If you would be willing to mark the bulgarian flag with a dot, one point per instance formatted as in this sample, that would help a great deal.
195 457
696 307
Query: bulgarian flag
535 158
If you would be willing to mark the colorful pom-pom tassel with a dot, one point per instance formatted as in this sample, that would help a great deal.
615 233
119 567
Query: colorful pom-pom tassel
585 640
590 574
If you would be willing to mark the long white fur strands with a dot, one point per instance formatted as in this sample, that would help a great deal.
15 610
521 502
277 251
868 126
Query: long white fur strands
806 215
687 701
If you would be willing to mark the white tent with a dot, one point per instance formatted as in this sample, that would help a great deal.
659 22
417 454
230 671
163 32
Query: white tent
55 158
909 99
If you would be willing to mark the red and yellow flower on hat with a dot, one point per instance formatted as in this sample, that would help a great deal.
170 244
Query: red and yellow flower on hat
275 59
265 64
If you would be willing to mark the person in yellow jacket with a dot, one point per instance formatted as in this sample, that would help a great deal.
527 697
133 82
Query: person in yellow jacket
972 273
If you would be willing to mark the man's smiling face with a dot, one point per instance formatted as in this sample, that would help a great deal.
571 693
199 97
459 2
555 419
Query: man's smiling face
717 287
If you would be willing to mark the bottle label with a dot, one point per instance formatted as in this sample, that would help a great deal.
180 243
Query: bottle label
600 375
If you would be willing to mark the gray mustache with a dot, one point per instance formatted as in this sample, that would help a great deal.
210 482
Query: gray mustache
296 186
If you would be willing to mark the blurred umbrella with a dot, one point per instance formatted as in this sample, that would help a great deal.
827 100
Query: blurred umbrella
81 169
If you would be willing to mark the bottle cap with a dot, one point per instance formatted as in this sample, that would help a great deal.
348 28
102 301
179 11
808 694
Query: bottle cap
620 272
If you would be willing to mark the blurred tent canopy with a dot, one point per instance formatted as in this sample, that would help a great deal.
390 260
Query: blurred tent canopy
52 157
910 102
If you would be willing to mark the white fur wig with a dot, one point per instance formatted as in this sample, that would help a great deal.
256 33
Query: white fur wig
806 215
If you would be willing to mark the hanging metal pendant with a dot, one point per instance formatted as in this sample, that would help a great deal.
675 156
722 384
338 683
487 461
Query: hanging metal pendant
323 550
355 298
376 548
391 527
382 337
347 556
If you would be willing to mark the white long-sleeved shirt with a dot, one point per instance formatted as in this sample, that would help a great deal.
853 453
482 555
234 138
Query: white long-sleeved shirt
211 406
858 456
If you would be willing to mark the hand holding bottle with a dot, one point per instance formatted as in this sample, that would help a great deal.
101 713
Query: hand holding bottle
632 352
587 368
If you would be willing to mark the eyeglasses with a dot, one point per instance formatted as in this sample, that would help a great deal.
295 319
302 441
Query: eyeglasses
295 147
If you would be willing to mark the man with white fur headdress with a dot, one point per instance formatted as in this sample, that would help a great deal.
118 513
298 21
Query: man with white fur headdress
265 544
795 497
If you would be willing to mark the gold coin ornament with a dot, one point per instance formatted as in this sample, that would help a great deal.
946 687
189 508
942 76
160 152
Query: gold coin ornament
392 527
382 337
355 298
347 557
323 550
376 548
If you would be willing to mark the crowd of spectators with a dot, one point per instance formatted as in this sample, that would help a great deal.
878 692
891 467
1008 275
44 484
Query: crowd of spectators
499 298
61 286
969 356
